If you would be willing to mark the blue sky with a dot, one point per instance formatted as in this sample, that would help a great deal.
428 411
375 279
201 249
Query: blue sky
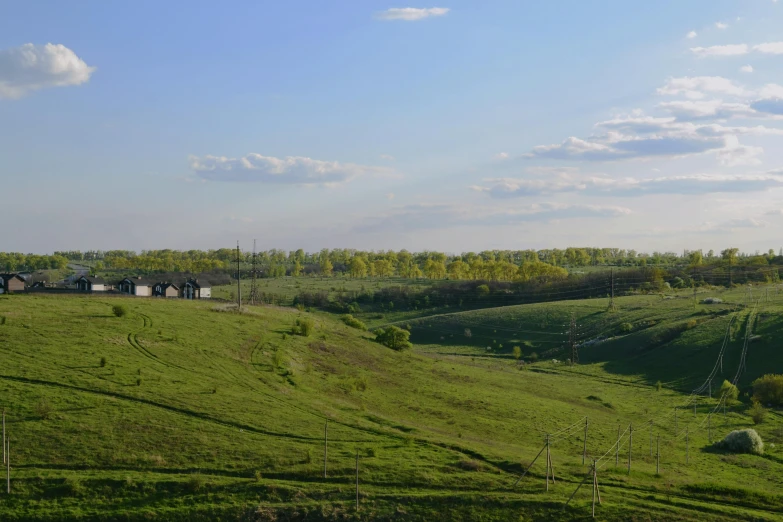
363 124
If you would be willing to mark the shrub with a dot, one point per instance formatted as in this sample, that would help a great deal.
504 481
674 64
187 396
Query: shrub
468 333
769 389
394 338
712 300
517 351
119 310
469 465
195 483
304 326
482 290
728 390
742 441
278 358
103 362
659 386
626 327
138 381
43 409
353 322
757 412
534 356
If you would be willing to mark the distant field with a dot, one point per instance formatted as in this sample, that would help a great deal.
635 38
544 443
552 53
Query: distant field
203 413
286 288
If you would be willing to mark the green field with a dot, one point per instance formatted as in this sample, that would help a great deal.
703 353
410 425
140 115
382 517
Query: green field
198 412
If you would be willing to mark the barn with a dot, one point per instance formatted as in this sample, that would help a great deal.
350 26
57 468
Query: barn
195 289
11 283
90 284
136 286
165 289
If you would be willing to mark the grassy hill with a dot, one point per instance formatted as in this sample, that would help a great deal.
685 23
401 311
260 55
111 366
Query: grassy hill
193 411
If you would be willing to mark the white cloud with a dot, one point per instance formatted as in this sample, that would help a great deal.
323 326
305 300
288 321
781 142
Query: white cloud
769 48
504 188
734 153
692 35
501 156
721 50
694 87
746 69
411 14
387 157
721 25
701 109
288 170
771 90
390 196
31 67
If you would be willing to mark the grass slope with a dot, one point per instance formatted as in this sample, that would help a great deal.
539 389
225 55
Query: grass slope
203 413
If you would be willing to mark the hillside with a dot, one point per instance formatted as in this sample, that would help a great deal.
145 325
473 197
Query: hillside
192 411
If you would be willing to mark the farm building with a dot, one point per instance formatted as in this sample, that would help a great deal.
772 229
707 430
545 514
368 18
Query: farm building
90 284
165 290
136 286
11 283
195 289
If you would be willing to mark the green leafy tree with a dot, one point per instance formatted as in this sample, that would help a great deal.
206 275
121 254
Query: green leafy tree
517 351
394 338
326 267
730 391
357 267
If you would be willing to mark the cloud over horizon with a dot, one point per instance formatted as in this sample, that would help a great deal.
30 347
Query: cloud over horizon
294 170
411 14
30 67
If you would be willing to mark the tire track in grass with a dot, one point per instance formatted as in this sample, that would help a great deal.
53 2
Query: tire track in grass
133 340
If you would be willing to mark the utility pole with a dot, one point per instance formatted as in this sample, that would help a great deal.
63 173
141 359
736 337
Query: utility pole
617 449
611 303
572 340
357 479
630 446
686 445
658 456
239 280
651 430
254 277
326 431
675 420
584 450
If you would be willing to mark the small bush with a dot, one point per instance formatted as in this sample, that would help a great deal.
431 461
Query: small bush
119 310
517 351
74 486
712 300
658 386
196 482
394 338
103 362
533 357
730 391
278 359
757 412
138 381
304 326
742 441
769 389
353 322
43 409
469 465
626 327
482 290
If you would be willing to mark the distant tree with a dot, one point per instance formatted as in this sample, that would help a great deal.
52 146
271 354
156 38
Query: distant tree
729 254
393 337
326 266
482 290
456 269
517 352
357 267
769 389
296 271
383 267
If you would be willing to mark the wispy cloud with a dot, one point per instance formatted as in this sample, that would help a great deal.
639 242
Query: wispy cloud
695 87
504 188
289 170
691 35
746 69
32 67
721 50
412 14
769 48
721 25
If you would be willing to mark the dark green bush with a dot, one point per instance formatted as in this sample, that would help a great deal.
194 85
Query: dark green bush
353 322
769 389
394 337
119 310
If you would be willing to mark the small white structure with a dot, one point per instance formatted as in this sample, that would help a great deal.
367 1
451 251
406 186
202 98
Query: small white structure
195 289
136 286
90 284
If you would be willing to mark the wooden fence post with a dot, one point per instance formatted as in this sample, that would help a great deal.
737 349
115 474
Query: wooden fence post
584 449
686 445
326 435
658 455
630 446
357 479
617 449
